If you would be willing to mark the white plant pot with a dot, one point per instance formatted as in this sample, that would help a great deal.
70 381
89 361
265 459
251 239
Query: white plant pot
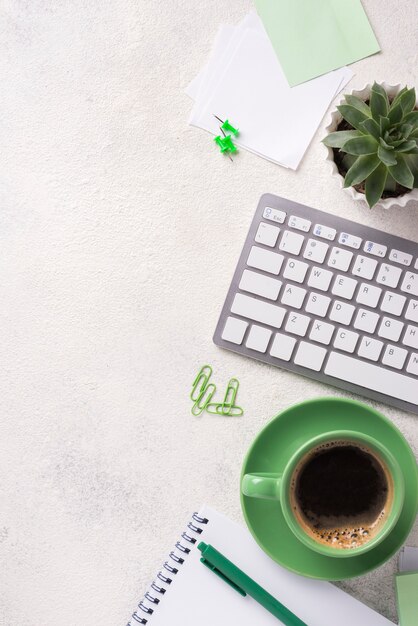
335 119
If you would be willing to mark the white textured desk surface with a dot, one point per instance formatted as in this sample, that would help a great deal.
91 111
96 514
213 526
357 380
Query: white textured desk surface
120 227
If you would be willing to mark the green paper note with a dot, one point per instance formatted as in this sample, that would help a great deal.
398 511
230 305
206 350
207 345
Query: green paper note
406 587
312 37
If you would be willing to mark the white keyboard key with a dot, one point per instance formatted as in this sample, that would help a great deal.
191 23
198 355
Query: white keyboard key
316 251
310 356
258 310
350 240
297 324
282 347
370 348
325 232
393 303
412 367
265 260
274 215
299 223
295 270
390 329
376 249
345 340
318 304
394 357
344 287
411 336
267 234
366 321
373 377
410 283
259 284
321 332
341 312
368 295
389 275
340 259
400 257
291 242
234 330
412 311
293 296
258 338
320 278
364 267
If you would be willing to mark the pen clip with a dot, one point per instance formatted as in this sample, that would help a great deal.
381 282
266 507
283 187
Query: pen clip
221 575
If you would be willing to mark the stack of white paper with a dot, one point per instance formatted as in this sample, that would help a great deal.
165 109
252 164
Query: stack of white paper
244 83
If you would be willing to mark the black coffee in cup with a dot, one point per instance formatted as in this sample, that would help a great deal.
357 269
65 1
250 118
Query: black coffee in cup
341 494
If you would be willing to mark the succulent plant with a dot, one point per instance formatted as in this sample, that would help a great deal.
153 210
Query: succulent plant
381 148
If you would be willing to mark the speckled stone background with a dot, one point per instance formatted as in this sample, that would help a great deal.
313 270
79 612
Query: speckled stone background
120 227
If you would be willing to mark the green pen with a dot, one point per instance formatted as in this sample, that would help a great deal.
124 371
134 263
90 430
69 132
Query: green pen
245 585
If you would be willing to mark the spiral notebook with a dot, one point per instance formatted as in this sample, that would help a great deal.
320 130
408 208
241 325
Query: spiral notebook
185 593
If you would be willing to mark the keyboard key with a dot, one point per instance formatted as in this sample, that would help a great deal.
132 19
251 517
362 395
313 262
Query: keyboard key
411 336
265 260
282 347
274 215
345 340
389 275
293 296
297 324
344 287
295 270
393 303
416 264
258 310
394 357
321 332
410 283
317 304
368 295
325 232
371 376
390 329
291 242
259 284
310 356
370 348
400 257
258 338
412 311
366 321
234 330
376 249
267 234
341 312
320 278
350 240
412 367
299 223
316 251
340 259
364 267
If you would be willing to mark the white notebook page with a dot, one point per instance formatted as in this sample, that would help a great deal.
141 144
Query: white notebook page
197 597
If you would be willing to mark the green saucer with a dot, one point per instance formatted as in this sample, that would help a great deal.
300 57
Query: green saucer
274 446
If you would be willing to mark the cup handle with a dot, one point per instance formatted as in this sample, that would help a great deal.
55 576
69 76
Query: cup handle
261 485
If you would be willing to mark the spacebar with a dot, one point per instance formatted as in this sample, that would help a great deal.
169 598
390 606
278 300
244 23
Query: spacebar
376 378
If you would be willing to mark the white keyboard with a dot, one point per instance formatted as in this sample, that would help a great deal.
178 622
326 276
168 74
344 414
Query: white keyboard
327 298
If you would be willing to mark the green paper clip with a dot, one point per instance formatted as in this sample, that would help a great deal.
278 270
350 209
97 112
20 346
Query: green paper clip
230 395
200 382
215 408
229 128
204 399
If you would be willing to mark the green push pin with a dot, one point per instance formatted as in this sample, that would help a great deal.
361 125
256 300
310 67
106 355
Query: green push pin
229 128
225 143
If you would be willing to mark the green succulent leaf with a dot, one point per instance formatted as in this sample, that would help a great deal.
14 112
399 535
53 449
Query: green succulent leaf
407 146
385 145
362 167
379 102
339 138
398 97
396 113
412 161
406 130
375 184
401 173
352 115
361 145
387 157
408 101
384 125
371 127
411 118
358 104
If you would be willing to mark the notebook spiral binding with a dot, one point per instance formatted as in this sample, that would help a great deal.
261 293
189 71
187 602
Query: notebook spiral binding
177 557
